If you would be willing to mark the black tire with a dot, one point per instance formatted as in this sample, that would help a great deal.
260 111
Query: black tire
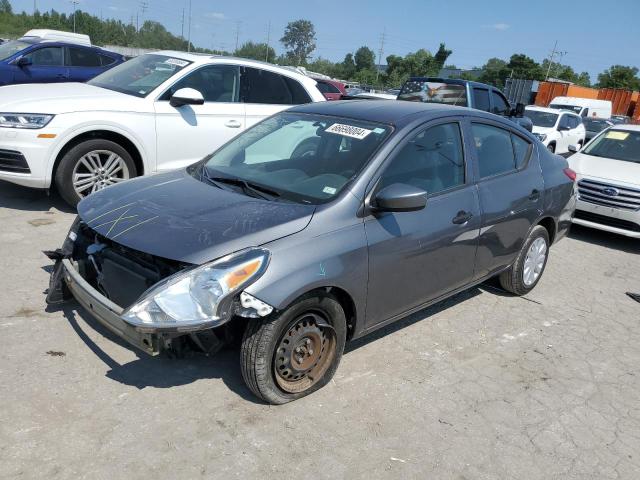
512 280
263 339
552 147
64 173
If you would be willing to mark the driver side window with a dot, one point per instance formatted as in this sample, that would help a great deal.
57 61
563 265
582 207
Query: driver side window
216 83
46 57
432 160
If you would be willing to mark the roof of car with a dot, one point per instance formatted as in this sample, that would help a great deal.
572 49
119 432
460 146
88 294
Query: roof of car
629 128
381 111
536 108
451 81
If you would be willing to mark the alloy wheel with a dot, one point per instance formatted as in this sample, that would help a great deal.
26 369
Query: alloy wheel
534 261
98 169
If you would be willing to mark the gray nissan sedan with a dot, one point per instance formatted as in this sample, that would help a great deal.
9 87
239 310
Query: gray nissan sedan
313 228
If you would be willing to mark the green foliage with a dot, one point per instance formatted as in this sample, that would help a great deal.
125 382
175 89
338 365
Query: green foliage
300 39
5 7
619 76
365 59
348 67
256 51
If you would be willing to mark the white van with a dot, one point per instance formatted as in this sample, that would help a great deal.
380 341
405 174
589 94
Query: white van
585 107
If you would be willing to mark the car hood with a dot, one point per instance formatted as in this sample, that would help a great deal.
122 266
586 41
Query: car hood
178 217
56 98
617 171
543 130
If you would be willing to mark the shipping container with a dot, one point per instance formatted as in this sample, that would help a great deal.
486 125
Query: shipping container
620 99
547 91
583 92
518 90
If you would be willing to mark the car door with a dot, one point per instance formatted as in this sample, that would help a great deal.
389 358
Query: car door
510 188
47 66
186 134
264 93
564 133
83 63
415 257
577 131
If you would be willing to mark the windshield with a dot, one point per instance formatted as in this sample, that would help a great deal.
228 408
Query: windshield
141 75
541 119
616 144
434 92
11 48
303 158
594 125
571 108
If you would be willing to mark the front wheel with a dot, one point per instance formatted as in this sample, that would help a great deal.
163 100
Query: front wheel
91 166
296 352
526 271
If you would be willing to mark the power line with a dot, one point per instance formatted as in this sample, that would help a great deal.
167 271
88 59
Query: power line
554 52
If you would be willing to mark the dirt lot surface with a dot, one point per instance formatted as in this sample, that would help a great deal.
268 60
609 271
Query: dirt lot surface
484 386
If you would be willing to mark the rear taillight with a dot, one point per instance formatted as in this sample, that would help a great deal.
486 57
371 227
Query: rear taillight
570 173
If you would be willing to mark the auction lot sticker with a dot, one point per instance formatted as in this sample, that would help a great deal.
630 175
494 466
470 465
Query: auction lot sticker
348 131
616 135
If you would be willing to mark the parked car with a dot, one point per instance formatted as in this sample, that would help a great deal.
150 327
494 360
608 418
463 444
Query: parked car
47 56
557 130
594 125
462 93
620 119
153 113
393 209
585 107
331 89
608 174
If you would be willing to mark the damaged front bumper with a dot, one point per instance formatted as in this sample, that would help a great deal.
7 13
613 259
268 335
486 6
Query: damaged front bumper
107 312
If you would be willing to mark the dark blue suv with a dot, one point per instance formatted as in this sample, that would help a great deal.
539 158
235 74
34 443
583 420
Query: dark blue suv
36 60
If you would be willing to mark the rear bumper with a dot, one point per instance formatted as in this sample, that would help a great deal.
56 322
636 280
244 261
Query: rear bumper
107 312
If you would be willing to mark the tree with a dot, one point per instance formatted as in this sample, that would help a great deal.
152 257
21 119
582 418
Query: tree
619 76
300 38
584 79
5 7
521 66
493 71
365 59
441 56
256 51
348 67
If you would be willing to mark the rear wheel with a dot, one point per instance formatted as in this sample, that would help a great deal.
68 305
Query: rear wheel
295 353
529 266
91 166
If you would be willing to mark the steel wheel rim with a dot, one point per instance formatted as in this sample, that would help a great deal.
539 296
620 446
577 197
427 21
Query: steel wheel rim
304 353
96 170
534 261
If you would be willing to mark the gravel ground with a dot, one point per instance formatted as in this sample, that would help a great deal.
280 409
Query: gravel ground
483 386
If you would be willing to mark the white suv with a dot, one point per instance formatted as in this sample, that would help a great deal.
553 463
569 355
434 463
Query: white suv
608 176
156 112
557 129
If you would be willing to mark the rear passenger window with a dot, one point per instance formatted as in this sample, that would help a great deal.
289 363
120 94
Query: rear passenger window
80 57
298 93
500 106
499 151
106 60
481 99
433 160
262 86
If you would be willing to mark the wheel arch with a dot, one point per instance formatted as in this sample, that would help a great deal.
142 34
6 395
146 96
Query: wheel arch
550 225
116 137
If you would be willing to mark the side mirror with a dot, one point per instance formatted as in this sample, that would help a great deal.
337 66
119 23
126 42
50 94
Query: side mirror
563 128
518 112
573 148
24 62
399 197
186 96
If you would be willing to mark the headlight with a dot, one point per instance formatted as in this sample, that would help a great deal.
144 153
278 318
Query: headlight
541 136
24 120
200 297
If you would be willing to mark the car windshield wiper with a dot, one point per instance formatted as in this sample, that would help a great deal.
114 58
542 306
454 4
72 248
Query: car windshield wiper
249 188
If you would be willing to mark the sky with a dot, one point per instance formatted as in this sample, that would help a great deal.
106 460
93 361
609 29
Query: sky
592 35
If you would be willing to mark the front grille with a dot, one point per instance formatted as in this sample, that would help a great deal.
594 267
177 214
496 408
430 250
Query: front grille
607 221
624 198
12 161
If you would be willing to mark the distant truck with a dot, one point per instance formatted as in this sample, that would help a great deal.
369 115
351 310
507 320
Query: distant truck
463 93
585 107
48 56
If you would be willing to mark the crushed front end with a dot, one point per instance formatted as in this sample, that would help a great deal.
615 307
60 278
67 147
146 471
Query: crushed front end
153 303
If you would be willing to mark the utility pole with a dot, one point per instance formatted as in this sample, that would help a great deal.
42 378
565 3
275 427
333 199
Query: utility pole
35 6
554 52
238 23
189 30
144 6
75 5
182 25
382 38
266 54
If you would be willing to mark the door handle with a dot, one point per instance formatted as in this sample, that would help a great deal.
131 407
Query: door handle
462 217
233 124
535 195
